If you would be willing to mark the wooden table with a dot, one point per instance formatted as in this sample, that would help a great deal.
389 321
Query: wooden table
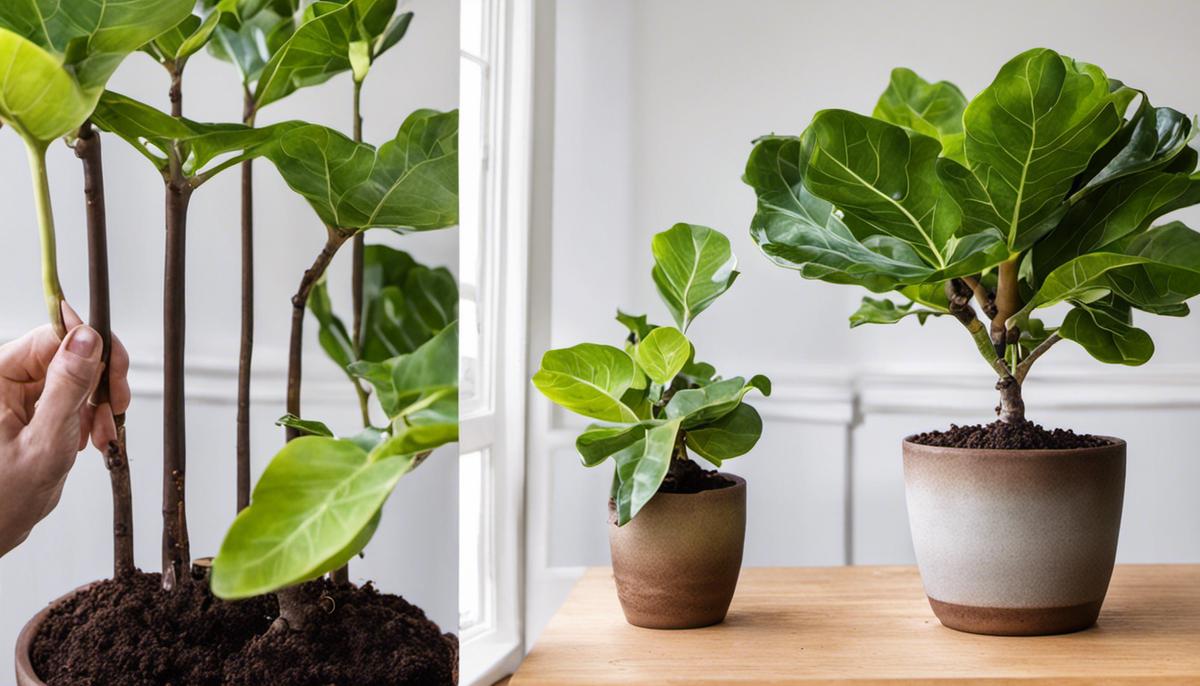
869 625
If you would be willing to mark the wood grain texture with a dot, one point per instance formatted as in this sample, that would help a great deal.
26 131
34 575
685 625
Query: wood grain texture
869 625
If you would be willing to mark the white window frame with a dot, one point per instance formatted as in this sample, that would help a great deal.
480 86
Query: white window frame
492 643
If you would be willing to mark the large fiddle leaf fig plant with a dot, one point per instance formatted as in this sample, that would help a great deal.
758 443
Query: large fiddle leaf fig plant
656 402
1042 189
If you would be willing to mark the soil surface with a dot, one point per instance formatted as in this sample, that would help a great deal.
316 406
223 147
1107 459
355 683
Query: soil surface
688 477
131 633
1003 436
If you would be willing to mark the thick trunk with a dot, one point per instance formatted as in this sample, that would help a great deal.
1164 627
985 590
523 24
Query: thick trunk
246 349
87 148
296 339
175 553
1012 408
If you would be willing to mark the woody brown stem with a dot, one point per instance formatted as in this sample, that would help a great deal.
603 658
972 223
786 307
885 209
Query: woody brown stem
87 149
1008 303
299 303
246 345
1011 407
985 298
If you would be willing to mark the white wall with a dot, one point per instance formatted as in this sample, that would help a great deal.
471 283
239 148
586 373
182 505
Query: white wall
657 105
416 545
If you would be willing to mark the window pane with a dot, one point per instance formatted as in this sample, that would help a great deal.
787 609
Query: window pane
473 555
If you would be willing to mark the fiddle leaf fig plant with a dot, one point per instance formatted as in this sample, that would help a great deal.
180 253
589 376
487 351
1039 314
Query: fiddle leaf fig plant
657 403
1040 190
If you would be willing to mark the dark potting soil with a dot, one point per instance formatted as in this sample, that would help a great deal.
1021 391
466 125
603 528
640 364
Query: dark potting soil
1005 436
688 477
131 633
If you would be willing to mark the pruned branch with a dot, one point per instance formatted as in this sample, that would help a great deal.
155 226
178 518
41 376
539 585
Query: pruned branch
985 298
959 294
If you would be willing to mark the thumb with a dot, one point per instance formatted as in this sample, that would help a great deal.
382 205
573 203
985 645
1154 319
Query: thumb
70 378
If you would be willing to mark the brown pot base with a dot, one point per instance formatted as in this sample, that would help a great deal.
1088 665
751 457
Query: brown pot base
1001 621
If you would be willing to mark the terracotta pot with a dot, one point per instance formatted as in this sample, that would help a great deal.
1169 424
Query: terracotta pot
676 563
24 659
1015 542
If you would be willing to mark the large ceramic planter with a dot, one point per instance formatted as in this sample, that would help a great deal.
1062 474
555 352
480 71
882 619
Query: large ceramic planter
676 563
1015 542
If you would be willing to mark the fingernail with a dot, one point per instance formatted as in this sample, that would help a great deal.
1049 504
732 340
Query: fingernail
83 342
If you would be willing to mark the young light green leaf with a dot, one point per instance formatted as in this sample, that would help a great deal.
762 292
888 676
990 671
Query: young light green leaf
642 467
1030 133
932 109
409 183
696 406
599 442
411 440
312 503
883 311
39 99
693 266
638 327
663 353
727 437
588 379
308 426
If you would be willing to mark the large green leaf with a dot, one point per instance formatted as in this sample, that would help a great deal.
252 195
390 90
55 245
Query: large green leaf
154 133
693 266
934 109
600 442
60 55
588 379
1105 329
1149 139
663 353
410 182
256 39
313 502
1029 134
333 37
797 230
727 437
427 371
697 406
400 318
641 468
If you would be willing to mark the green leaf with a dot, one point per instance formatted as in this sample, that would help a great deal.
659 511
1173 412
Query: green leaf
932 109
663 353
412 440
599 442
797 230
409 183
379 375
331 332
253 42
309 509
641 468
637 325
696 406
38 98
883 311
1148 140
1029 134
693 266
727 437
1105 330
427 371
760 382
588 379
153 133
308 426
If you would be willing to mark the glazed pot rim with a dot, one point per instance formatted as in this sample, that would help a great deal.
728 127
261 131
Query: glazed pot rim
24 648
1115 444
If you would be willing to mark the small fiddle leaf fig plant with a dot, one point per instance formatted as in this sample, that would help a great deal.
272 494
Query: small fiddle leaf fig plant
656 401
1040 190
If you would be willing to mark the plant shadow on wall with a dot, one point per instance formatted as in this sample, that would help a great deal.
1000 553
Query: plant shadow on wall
676 531
1041 190
319 501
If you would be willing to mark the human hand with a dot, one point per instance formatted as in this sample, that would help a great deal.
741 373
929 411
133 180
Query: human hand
46 417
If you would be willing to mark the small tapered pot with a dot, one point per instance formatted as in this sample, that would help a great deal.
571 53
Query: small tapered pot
1015 542
676 563
24 658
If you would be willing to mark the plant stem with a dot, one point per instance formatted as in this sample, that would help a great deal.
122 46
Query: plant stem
1008 303
51 287
1023 368
246 347
1012 407
985 298
299 303
176 556
342 574
116 458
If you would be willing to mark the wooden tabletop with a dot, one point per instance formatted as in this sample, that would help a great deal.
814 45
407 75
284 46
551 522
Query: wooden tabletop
869 625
